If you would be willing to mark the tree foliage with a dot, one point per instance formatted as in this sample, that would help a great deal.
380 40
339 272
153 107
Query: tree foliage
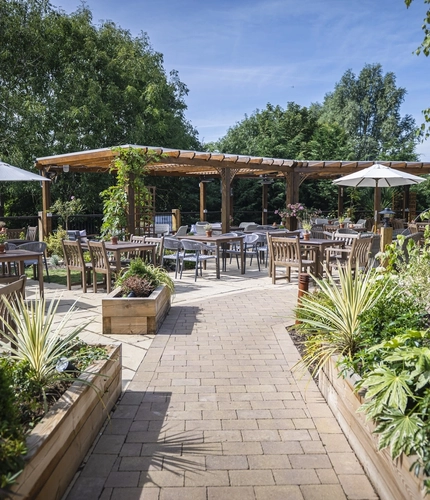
367 107
68 85
425 48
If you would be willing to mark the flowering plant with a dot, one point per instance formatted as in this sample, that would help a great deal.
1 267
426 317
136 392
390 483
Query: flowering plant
298 210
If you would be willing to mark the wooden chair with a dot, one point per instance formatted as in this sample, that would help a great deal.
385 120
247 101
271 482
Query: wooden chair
159 242
356 257
74 259
12 292
286 252
100 264
15 234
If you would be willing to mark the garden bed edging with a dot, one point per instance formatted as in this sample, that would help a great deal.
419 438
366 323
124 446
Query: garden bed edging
392 479
60 441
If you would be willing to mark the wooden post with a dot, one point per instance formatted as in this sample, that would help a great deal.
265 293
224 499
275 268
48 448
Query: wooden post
292 195
339 200
386 237
176 219
303 289
202 186
264 204
45 226
225 199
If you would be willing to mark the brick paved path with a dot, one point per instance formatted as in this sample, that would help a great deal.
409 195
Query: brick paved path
214 412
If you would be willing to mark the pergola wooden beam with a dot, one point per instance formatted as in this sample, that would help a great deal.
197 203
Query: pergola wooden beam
177 162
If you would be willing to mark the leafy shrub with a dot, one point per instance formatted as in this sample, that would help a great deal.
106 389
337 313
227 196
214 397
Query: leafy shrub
12 439
154 275
53 242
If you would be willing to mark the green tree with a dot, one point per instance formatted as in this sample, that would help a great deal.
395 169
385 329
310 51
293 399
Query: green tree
425 48
367 107
68 85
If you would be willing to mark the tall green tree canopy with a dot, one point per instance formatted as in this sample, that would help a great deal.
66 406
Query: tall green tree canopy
367 107
68 85
425 48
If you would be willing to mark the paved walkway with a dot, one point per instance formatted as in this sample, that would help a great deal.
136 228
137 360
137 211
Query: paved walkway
213 410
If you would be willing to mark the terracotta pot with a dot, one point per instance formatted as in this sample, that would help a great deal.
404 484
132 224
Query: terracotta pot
114 240
306 236
2 248
341 225
209 233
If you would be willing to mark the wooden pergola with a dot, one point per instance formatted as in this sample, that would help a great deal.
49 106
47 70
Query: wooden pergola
177 162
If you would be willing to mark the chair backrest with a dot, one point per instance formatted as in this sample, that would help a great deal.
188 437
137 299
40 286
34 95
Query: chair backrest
159 242
251 227
182 231
12 292
15 234
318 234
360 253
134 238
346 231
244 225
73 254
200 228
347 238
31 233
250 239
99 256
34 246
285 250
171 244
194 246
413 228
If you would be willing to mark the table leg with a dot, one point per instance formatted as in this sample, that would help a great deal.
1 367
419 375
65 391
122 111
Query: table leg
40 273
217 260
118 261
242 257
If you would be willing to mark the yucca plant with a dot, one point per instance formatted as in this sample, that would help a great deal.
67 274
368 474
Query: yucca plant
330 321
36 341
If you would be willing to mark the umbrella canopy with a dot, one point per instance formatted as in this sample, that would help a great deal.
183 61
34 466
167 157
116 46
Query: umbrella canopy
9 173
378 176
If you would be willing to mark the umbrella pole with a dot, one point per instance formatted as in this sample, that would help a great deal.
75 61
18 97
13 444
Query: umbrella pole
376 205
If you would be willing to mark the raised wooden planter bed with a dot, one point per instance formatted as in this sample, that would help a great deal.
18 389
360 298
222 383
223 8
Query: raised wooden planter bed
392 479
59 443
135 315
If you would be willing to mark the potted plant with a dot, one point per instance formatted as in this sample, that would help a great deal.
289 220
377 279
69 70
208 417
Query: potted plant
208 229
306 226
341 220
41 361
140 301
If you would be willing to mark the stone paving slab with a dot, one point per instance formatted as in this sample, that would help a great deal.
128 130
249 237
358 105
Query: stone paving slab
214 411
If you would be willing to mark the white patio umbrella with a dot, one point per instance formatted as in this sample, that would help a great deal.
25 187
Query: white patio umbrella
378 176
9 173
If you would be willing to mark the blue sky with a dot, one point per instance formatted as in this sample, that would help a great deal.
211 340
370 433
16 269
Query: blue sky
235 56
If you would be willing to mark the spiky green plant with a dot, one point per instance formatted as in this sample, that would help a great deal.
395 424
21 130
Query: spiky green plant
331 322
35 340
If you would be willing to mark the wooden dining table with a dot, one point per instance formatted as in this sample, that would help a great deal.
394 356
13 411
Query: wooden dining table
20 256
124 247
219 241
320 246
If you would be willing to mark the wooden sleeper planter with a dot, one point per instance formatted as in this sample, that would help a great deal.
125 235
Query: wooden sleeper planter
59 443
135 315
392 479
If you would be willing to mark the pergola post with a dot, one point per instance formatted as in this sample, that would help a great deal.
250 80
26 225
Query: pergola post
339 200
264 200
225 199
292 195
46 222
203 210
131 216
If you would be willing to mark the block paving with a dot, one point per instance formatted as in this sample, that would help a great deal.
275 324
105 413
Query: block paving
215 411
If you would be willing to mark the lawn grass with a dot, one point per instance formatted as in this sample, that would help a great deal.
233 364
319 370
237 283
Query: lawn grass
57 275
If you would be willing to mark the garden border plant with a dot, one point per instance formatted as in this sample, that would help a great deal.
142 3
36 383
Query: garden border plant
378 323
